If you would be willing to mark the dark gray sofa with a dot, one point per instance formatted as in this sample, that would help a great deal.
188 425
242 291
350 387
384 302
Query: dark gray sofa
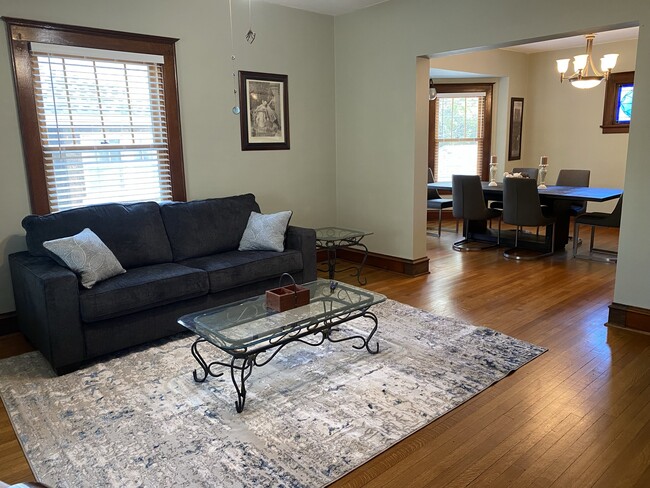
180 258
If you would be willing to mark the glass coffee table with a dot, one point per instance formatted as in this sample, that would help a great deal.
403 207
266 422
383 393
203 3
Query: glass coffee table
253 334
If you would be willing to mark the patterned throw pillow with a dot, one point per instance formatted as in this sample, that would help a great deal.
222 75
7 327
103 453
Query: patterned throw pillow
87 256
265 232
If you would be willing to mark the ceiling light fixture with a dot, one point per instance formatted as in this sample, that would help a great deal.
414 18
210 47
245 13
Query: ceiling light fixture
582 77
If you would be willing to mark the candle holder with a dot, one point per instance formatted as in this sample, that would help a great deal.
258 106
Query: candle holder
543 163
493 173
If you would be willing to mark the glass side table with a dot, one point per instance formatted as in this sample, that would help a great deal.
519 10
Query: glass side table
331 239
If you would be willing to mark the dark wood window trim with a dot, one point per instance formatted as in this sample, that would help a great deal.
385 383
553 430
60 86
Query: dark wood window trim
615 80
21 32
487 120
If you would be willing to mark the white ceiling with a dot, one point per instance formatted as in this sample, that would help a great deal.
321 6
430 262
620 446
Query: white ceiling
340 7
577 41
328 7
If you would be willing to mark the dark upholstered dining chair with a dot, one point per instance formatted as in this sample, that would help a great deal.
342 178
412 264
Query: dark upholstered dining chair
436 202
574 177
597 219
521 208
469 204
531 173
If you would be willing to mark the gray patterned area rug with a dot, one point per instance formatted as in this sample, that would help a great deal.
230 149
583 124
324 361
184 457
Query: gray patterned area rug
312 414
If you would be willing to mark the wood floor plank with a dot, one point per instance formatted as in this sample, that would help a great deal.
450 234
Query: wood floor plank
577 416
616 436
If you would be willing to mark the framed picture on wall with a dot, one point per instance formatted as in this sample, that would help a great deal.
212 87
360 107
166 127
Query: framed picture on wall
264 117
516 123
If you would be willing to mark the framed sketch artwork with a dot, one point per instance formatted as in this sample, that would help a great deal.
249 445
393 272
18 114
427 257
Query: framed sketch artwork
264 118
516 122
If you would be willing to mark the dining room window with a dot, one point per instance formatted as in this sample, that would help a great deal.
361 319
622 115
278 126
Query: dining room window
460 130
99 115
617 110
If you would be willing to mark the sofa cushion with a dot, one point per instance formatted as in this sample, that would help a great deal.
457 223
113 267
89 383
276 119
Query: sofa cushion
237 268
205 227
133 232
86 255
141 289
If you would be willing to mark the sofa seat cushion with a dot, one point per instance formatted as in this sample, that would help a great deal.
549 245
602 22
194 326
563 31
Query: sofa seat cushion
141 289
236 268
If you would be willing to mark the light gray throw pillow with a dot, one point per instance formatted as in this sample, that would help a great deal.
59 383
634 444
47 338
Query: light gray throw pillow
265 232
87 256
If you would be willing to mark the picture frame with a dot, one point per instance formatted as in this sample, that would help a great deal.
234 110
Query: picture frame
264 115
516 125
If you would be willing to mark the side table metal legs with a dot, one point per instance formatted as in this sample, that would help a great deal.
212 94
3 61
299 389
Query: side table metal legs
333 247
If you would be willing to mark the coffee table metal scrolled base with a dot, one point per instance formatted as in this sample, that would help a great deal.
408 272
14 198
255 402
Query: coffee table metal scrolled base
244 360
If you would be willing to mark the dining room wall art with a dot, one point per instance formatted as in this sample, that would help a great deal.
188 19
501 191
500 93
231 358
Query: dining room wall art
516 124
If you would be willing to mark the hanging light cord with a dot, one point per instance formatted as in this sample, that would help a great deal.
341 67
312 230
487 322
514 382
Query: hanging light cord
235 108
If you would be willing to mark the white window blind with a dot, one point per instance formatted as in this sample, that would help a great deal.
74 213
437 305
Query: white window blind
102 126
459 134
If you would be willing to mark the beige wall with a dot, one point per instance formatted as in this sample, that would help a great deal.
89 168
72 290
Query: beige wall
289 41
509 72
380 142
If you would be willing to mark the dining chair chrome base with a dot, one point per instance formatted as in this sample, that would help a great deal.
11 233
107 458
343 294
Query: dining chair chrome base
601 255
512 254
594 254
469 245
527 255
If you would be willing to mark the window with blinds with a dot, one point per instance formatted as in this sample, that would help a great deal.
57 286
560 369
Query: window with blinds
101 116
460 130
459 134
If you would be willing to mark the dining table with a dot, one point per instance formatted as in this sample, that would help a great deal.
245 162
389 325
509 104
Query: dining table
559 198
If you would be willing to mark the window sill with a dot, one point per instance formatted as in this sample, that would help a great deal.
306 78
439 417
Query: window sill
616 129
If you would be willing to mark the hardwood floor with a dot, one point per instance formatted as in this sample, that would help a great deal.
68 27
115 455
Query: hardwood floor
577 416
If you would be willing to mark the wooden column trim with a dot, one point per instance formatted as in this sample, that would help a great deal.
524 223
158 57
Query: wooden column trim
409 267
628 317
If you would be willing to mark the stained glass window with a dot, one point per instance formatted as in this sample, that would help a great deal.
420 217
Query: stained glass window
617 108
624 103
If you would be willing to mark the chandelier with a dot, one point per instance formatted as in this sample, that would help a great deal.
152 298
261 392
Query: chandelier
582 76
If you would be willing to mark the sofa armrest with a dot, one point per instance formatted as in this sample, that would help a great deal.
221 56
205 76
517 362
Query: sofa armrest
47 305
304 240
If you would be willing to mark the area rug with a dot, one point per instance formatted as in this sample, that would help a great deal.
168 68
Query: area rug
312 414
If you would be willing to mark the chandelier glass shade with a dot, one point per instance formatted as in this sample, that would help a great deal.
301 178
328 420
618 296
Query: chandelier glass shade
585 74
